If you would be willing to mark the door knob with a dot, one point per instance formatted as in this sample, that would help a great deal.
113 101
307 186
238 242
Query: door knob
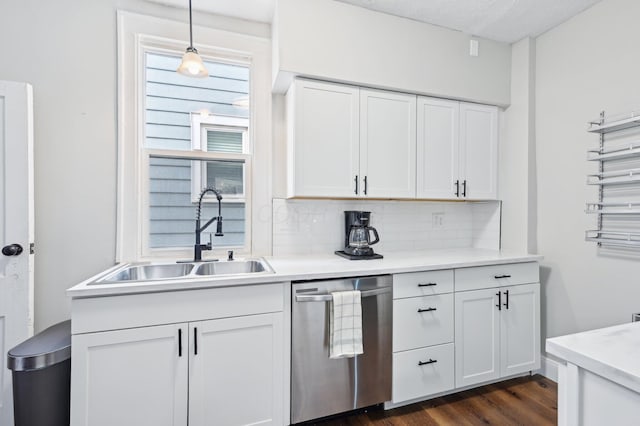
12 250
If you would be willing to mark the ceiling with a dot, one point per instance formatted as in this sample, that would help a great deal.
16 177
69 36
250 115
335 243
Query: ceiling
501 20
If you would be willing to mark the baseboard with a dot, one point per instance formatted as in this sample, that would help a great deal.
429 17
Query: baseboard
549 368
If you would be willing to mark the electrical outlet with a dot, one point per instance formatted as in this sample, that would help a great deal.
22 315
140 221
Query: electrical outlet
437 220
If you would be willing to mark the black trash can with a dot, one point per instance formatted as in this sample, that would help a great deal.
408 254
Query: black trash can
41 368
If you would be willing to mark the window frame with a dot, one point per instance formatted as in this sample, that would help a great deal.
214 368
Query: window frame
138 34
201 123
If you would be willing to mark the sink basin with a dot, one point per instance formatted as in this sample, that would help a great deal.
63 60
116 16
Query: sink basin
232 267
189 270
150 272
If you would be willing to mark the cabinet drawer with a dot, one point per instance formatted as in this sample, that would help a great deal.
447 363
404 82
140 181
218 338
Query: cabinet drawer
412 380
422 283
496 276
422 321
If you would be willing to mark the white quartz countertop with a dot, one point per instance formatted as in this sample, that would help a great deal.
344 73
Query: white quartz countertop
610 352
311 267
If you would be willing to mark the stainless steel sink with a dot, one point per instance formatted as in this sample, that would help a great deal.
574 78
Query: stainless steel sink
233 267
189 270
149 272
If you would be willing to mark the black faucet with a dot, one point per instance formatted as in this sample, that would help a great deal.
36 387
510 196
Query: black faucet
197 248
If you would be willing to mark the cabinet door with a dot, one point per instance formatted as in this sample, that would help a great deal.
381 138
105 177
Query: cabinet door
131 377
437 148
236 370
479 150
324 137
388 144
520 329
477 336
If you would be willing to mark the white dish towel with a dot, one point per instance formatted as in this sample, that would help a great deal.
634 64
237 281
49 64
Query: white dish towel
345 324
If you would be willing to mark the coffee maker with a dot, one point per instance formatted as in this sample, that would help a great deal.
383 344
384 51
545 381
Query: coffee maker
359 236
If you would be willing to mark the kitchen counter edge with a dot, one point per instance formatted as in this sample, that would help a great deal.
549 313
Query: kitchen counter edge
312 267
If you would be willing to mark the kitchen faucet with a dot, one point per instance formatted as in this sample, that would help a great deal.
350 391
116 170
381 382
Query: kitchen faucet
197 248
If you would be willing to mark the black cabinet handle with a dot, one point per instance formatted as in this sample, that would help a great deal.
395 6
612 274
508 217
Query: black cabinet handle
420 310
427 284
499 305
457 188
365 185
464 188
356 191
431 361
179 342
12 250
195 340
497 277
506 293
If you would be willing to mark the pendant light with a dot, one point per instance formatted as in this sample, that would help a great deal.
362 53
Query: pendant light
192 65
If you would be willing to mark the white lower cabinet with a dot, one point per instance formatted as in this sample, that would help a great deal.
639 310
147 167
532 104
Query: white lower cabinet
234 377
423 353
130 377
222 371
461 327
497 333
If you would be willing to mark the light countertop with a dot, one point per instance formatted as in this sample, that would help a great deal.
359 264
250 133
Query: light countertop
610 352
310 267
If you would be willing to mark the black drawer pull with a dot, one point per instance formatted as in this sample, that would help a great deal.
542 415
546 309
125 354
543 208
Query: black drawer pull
431 361
497 277
427 284
420 310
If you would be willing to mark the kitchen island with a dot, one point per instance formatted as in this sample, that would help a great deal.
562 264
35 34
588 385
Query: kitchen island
600 382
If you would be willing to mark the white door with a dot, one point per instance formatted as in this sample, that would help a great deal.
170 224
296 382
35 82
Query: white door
235 375
438 148
387 144
519 329
479 149
323 140
477 336
134 377
16 228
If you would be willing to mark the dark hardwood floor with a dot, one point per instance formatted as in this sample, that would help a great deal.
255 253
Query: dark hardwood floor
521 401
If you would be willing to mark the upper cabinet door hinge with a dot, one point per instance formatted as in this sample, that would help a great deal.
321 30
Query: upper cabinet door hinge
32 248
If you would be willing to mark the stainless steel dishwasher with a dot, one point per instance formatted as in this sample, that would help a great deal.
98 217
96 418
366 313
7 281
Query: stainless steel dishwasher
321 386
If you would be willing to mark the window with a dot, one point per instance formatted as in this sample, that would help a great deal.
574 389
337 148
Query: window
178 135
186 114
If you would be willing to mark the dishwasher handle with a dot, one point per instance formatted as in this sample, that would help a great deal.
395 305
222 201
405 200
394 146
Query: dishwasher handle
326 297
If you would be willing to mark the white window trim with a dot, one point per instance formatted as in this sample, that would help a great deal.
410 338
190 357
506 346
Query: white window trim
201 123
137 33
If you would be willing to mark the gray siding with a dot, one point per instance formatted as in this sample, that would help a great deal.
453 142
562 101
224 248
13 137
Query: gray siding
169 99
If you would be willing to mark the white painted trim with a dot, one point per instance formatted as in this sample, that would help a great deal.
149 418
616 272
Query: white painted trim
391 405
549 368
137 32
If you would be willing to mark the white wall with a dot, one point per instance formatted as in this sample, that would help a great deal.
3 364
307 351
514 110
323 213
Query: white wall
67 51
341 42
586 65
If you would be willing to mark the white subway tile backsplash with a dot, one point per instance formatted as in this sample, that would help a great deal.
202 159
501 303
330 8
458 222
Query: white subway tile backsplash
317 226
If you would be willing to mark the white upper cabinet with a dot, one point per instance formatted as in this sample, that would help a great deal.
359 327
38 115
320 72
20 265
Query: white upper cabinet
457 150
438 130
324 137
387 144
346 142
479 150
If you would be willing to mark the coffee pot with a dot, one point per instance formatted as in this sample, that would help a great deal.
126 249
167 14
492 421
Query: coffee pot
359 236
